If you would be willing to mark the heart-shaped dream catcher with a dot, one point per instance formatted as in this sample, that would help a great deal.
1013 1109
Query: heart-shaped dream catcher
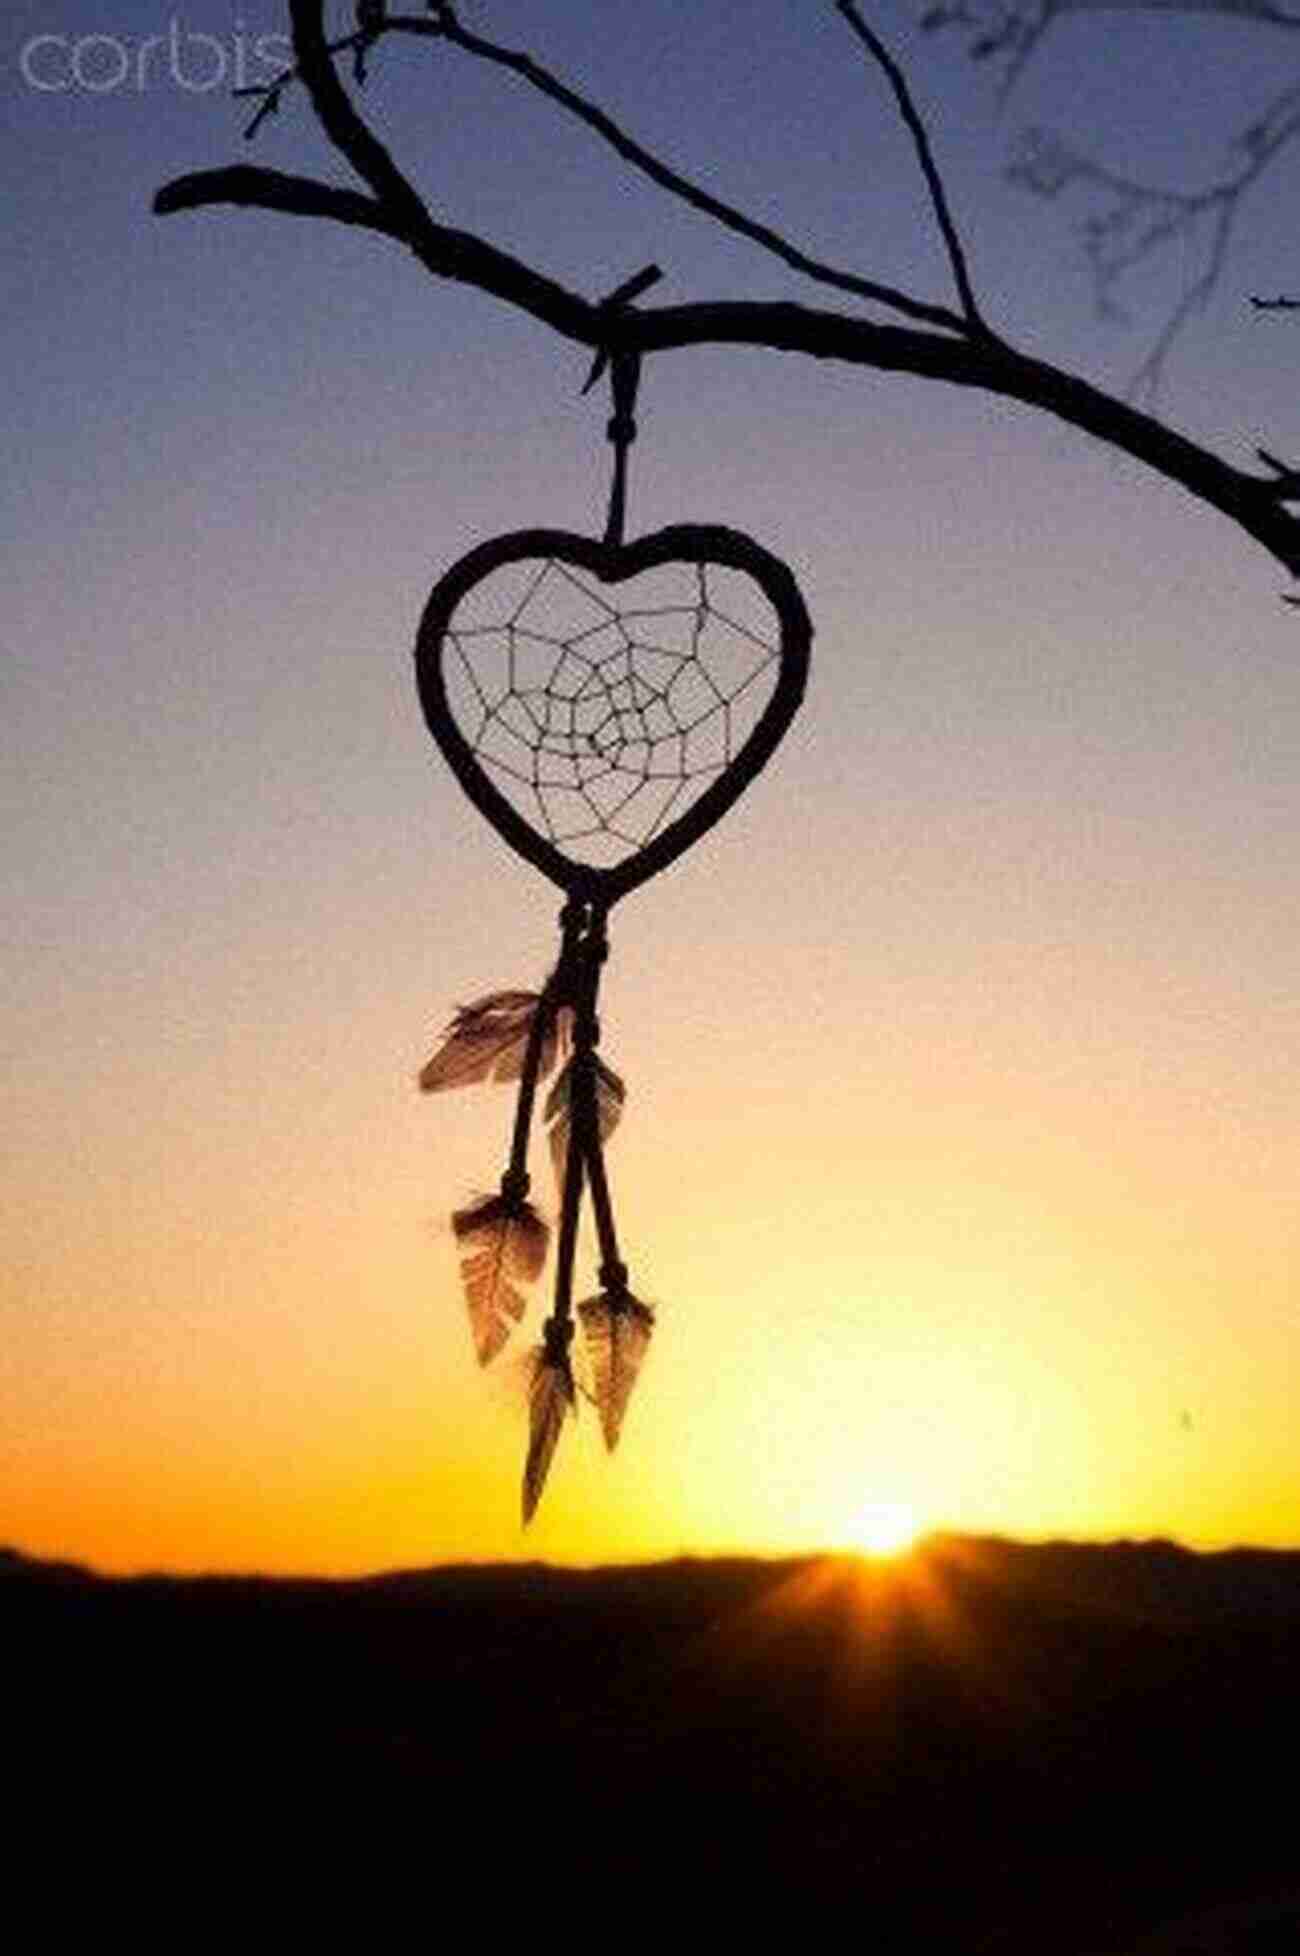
603 704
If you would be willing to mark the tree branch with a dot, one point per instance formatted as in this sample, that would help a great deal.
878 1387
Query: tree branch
445 252
1250 501
964 358
358 43
448 28
916 129
1134 220
271 190
1014 29
346 129
1137 220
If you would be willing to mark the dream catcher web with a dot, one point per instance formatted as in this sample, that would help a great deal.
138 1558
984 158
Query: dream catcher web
602 704
597 719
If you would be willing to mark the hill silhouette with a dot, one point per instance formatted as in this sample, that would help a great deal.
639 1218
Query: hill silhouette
987 1747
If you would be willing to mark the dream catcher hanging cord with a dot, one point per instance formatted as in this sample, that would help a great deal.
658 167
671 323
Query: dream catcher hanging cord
601 740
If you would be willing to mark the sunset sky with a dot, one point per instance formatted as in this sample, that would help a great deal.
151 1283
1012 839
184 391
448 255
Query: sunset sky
960 1148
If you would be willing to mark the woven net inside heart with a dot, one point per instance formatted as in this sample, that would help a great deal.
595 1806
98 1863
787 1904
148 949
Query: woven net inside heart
602 711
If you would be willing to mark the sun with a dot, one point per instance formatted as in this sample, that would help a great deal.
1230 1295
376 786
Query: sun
885 1527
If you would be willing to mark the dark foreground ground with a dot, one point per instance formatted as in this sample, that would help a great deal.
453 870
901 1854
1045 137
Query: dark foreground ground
990 1748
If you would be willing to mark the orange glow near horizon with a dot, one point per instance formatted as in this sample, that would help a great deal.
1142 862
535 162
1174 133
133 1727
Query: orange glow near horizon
871 1616
931 1397
977 1358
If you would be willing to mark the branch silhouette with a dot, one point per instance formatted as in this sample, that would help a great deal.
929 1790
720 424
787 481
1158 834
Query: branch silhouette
1130 221
1013 30
940 343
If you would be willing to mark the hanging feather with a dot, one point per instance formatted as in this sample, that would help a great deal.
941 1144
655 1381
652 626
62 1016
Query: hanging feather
558 1112
488 1039
502 1245
550 1401
616 1327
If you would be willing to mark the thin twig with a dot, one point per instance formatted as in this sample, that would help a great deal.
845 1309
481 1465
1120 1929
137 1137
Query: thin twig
907 109
1195 297
1286 487
447 27
359 42
1136 220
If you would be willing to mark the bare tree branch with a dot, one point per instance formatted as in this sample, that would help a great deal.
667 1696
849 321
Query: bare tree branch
445 252
271 190
1250 501
1135 220
350 134
956 354
359 43
449 28
1013 30
907 110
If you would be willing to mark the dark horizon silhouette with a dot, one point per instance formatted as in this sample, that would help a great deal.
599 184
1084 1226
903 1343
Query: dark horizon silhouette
992 1746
